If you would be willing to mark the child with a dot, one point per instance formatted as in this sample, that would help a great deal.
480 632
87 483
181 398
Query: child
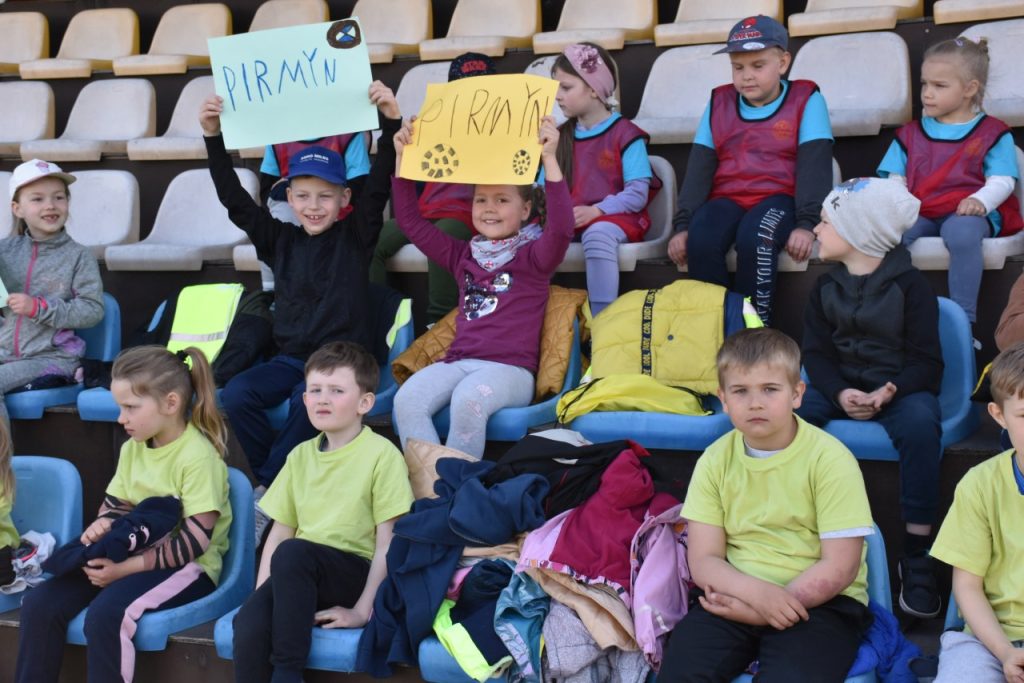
9 537
980 537
960 162
777 514
176 444
320 274
37 337
446 205
503 275
604 159
871 350
334 507
759 167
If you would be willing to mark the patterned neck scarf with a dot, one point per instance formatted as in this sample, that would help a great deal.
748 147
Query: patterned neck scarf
493 254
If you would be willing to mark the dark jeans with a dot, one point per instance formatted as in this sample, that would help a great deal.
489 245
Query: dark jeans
914 423
263 386
705 648
273 630
759 235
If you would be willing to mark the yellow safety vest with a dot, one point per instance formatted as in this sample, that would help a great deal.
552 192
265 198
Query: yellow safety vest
203 316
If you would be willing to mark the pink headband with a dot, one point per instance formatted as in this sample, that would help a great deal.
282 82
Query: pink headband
587 62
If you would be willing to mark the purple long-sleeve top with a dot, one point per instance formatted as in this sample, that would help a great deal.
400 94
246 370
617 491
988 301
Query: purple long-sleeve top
501 312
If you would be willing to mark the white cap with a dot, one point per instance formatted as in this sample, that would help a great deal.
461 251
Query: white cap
33 170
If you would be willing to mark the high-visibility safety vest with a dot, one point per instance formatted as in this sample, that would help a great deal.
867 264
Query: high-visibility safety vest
203 316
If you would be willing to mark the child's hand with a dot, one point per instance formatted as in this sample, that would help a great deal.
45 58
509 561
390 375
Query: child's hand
584 215
1013 666
677 248
340 617
971 207
103 571
548 136
384 99
881 396
799 244
402 138
780 608
96 531
857 404
209 115
728 607
21 304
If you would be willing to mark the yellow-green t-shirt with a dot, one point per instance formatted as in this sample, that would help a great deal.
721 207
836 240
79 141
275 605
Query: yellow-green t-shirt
8 534
983 534
775 509
337 498
191 469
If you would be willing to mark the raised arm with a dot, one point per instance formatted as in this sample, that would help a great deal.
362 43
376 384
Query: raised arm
547 253
377 188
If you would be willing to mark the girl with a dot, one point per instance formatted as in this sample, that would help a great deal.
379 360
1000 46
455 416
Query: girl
604 159
176 445
503 275
9 537
960 162
54 282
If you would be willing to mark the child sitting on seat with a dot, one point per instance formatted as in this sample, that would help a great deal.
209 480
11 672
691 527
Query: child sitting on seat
777 514
176 446
981 538
960 162
334 507
871 349
503 275
759 167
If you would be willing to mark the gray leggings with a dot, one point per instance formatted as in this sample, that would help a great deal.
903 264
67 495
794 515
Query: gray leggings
601 249
18 373
962 236
963 657
476 389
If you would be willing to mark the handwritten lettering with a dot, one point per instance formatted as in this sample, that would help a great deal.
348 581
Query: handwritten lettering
293 73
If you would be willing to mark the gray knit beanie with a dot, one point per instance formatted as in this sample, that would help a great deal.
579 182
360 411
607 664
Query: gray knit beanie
871 213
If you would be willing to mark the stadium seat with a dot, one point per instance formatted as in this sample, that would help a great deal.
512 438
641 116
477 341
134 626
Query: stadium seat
183 138
1003 96
954 620
236 580
608 23
26 109
929 253
281 13
49 499
105 116
6 217
541 66
486 26
102 342
191 227
412 90
962 11
860 101
699 22
394 27
179 41
26 39
869 441
104 209
93 39
821 17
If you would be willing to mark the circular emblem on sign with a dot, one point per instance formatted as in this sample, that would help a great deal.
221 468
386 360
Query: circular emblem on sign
344 34
521 162
439 162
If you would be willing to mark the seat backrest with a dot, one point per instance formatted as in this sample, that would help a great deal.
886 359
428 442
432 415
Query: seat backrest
101 34
413 88
281 13
6 217
624 14
700 10
26 37
115 109
184 122
959 372
103 340
663 208
183 29
908 9
26 109
516 18
191 215
399 22
240 560
1006 52
878 570
104 208
48 497
681 80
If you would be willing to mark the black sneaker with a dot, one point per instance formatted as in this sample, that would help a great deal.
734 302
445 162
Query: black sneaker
918 594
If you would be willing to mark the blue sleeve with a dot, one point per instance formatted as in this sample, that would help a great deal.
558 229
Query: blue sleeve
703 136
894 161
540 176
357 158
815 124
1002 158
635 164
269 164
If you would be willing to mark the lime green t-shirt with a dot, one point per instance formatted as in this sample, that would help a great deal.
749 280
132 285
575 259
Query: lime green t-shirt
983 534
337 498
775 509
8 534
191 469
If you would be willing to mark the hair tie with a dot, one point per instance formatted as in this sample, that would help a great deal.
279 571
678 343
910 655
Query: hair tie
182 356
959 42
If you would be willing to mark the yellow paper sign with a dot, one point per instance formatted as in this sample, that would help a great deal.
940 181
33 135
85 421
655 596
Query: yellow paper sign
480 130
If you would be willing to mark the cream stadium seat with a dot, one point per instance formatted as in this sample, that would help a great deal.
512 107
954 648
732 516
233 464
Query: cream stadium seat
486 26
26 38
93 39
850 16
281 13
6 217
394 27
26 109
1004 98
412 90
183 138
609 23
104 209
699 21
957 11
106 115
179 41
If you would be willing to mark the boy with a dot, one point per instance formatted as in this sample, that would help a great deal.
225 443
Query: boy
777 515
871 350
321 274
981 538
759 167
334 506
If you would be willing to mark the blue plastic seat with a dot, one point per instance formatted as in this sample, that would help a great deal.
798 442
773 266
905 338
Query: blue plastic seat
954 620
655 430
102 342
236 580
48 498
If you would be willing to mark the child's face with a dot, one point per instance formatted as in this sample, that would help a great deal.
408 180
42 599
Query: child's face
760 401
145 418
334 400
499 210
831 245
756 75
316 202
944 93
1010 416
574 96
43 205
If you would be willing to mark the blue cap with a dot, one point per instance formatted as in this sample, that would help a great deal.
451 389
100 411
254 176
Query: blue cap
756 33
321 162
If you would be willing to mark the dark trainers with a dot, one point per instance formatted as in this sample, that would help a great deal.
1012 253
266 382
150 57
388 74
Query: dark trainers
918 594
